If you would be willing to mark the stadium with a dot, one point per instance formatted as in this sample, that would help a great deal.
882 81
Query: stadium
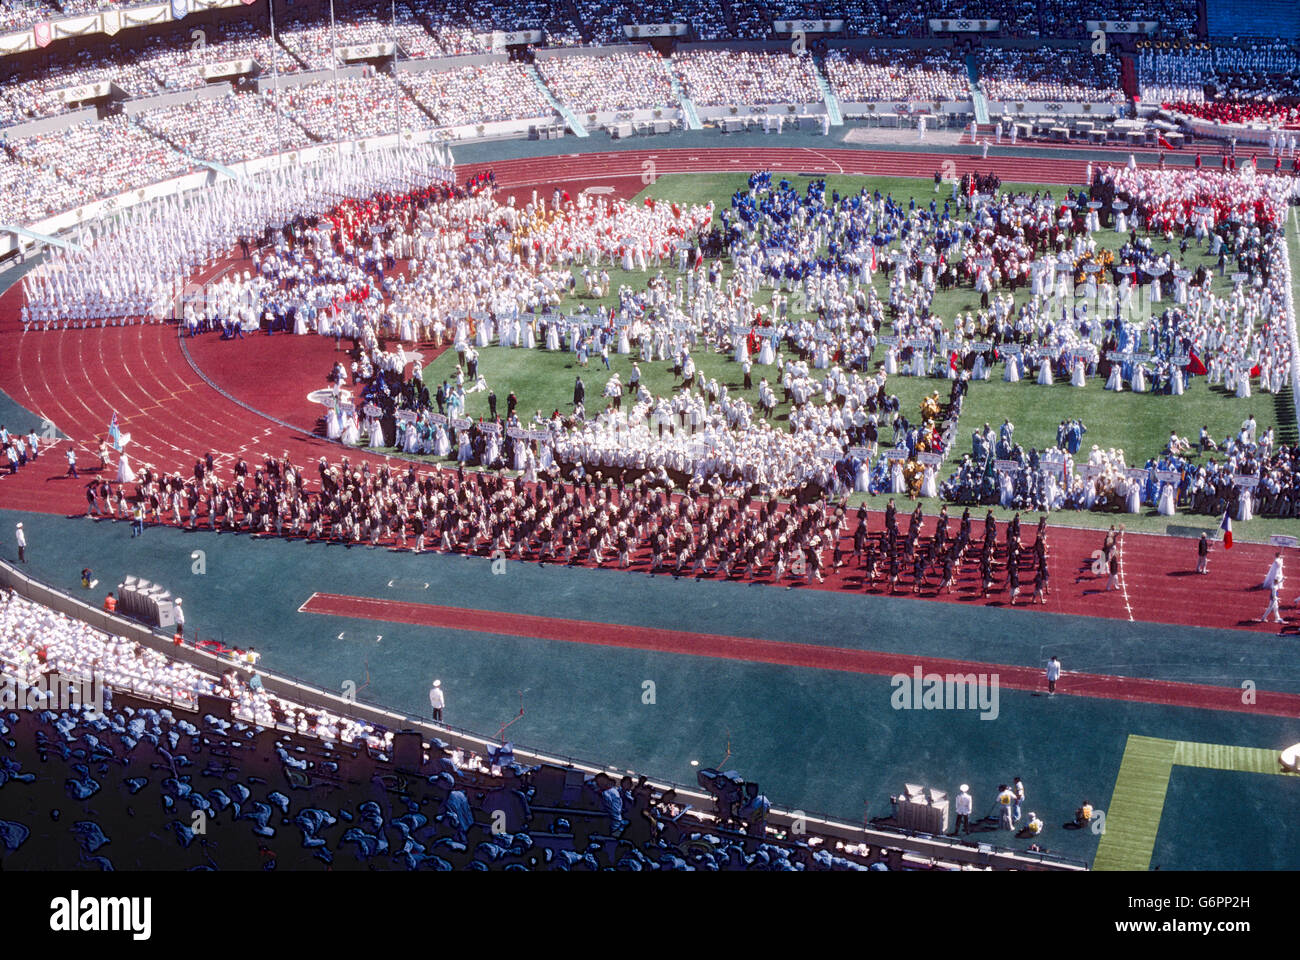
554 435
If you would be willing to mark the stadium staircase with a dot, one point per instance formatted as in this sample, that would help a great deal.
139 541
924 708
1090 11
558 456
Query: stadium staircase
410 95
688 108
569 116
832 103
977 98
292 54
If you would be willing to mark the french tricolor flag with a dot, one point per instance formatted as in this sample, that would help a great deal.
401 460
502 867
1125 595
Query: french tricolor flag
1226 527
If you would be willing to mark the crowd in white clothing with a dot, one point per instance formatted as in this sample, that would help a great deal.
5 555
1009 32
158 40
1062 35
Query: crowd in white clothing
718 77
226 129
94 160
623 81
352 108
877 74
35 640
478 94
29 193
37 93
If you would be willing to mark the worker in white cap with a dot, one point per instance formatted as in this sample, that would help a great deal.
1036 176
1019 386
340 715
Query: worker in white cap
963 808
180 617
21 539
436 700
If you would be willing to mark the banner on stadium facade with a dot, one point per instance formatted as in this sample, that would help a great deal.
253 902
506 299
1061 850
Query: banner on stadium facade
964 26
498 40
365 51
17 42
229 68
808 26
144 16
639 31
75 27
110 21
179 9
1122 26
86 91
43 33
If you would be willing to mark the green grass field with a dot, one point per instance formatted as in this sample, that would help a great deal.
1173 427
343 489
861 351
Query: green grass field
1137 423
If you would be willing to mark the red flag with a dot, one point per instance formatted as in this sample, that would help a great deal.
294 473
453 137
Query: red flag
1254 371
1164 143
1195 365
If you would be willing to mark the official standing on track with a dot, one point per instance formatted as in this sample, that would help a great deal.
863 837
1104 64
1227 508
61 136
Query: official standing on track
1053 674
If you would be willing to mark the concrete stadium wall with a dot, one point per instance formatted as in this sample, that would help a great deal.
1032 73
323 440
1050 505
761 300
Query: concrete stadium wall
553 53
440 64
60 121
724 112
214 91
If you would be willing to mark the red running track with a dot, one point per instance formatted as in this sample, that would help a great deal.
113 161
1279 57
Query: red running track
79 378
815 656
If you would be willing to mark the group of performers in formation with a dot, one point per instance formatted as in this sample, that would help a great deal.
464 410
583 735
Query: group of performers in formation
602 520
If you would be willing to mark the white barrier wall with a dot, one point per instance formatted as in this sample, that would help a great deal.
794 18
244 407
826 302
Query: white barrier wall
603 118
880 107
1044 108
725 111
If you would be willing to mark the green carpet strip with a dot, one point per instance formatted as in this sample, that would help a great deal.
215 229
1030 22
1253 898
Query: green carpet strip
1133 820
1134 815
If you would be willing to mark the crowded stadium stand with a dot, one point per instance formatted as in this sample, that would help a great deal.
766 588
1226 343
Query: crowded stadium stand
723 77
